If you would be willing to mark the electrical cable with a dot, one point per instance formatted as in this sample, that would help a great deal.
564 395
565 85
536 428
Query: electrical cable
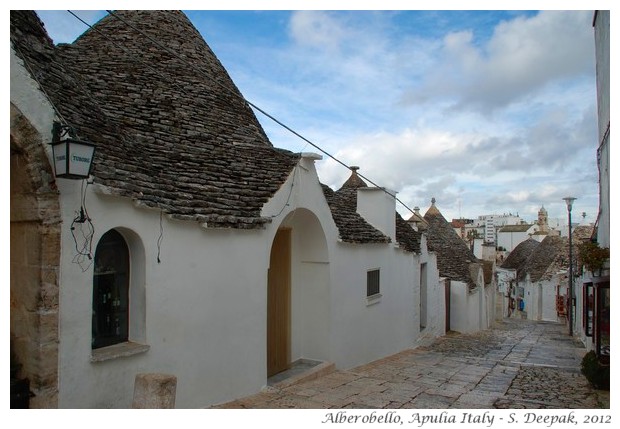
171 82
161 235
84 251
237 94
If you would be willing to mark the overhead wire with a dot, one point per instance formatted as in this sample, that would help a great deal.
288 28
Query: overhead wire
256 107
177 86
249 103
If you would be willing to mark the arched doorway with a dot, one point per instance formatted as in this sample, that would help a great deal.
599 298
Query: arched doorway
35 259
298 293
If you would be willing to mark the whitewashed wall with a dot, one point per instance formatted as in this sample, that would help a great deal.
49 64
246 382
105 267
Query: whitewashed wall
203 323
436 300
510 240
363 330
25 94
468 310
540 297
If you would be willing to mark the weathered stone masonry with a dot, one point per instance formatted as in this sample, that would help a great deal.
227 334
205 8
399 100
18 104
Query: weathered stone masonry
35 257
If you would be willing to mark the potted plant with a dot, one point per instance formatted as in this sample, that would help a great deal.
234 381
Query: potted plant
596 373
593 257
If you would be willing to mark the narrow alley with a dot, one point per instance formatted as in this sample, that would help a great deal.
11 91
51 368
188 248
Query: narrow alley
516 364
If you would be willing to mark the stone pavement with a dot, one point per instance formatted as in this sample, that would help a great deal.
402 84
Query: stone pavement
516 364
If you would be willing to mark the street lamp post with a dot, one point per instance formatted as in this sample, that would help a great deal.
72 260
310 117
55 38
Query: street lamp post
569 206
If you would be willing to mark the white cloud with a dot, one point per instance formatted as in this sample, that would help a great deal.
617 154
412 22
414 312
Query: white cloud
522 56
316 29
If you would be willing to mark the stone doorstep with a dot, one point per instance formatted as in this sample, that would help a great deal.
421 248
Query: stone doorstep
313 373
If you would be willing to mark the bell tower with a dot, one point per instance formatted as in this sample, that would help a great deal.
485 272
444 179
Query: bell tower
543 224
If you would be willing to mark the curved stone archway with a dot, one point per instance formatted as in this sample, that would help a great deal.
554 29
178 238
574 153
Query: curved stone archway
35 259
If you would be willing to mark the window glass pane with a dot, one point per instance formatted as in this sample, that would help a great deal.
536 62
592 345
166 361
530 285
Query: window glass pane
111 291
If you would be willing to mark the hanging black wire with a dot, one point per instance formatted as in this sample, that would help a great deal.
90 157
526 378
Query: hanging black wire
83 231
235 93
161 236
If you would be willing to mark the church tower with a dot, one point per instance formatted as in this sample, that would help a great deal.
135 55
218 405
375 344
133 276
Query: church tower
543 224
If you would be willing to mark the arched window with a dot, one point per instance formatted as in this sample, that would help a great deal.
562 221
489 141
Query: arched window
111 291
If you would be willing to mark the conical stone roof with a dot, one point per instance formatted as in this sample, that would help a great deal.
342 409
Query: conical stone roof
454 258
172 130
516 259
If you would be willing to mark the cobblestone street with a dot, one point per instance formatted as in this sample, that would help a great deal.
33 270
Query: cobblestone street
517 364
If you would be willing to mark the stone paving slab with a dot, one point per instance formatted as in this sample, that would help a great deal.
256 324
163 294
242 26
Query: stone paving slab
516 364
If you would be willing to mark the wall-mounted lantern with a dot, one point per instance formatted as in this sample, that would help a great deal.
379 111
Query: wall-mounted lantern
73 159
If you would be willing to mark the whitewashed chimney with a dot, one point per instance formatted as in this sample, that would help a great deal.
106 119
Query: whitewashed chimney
378 207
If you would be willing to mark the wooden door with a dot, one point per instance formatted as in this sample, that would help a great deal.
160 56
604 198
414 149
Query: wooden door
279 304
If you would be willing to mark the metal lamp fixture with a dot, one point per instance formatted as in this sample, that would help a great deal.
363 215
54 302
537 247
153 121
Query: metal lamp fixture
569 206
73 159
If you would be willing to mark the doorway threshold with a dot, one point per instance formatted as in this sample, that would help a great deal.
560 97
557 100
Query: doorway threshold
300 370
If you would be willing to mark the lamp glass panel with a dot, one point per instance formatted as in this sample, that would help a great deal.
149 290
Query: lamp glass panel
59 151
80 158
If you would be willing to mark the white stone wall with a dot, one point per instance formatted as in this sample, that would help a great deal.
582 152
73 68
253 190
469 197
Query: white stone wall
378 207
540 298
467 309
510 240
202 323
602 44
470 311
366 329
436 300
25 94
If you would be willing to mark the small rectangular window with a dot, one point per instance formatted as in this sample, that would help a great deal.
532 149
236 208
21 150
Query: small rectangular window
372 282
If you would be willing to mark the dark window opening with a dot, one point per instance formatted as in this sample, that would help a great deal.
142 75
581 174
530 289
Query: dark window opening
588 309
372 282
110 324
603 321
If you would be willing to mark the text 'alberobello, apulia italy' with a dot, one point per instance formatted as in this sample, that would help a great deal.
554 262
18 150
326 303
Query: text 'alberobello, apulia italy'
419 419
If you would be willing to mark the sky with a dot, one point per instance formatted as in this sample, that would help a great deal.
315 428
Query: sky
488 112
